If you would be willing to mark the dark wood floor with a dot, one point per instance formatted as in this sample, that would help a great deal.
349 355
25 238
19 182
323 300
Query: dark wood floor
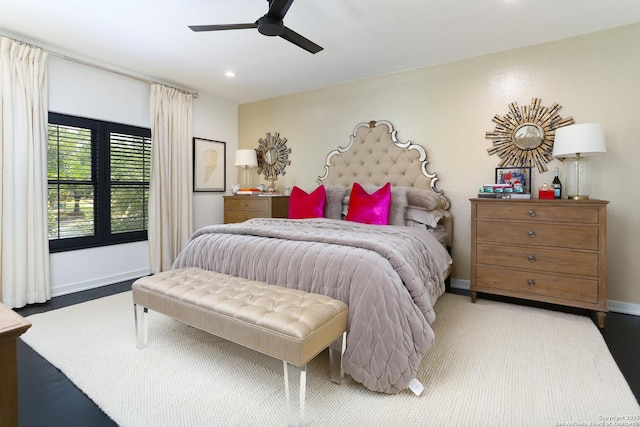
48 399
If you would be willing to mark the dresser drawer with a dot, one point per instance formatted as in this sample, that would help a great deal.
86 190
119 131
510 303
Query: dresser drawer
539 259
537 212
247 203
527 284
538 234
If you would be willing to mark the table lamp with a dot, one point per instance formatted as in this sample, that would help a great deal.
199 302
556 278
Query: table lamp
573 143
246 159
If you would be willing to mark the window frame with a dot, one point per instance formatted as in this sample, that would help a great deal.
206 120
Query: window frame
101 178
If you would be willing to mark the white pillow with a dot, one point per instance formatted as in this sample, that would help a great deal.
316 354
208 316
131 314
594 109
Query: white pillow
430 218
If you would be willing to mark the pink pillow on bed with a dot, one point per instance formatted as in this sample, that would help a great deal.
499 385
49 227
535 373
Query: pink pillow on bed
369 208
303 205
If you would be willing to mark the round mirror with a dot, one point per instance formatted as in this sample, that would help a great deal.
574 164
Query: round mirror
528 136
273 156
523 137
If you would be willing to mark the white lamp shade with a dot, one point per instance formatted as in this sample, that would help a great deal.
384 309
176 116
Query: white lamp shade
247 158
584 139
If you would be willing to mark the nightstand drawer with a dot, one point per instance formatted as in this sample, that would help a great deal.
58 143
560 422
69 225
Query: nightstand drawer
537 212
538 234
539 259
526 284
231 216
247 203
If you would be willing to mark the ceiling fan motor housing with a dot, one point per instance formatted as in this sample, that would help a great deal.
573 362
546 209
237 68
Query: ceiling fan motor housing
270 26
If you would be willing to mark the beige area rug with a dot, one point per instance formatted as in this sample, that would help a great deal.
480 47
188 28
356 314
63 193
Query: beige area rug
493 364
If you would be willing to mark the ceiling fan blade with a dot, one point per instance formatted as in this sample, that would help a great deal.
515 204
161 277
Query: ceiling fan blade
300 41
278 8
222 27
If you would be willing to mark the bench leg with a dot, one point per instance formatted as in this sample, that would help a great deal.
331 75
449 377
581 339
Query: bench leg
302 387
336 350
141 315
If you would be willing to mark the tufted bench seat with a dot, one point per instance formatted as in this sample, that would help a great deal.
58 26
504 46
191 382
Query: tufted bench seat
288 324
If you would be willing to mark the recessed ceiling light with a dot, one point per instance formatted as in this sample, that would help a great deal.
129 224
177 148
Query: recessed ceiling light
230 74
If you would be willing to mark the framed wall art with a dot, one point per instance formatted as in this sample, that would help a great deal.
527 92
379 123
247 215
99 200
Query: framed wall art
515 176
209 165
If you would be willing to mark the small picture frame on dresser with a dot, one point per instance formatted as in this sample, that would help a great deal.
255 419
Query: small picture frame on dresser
209 165
513 176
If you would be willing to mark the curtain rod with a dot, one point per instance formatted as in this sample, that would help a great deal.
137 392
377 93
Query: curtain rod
100 67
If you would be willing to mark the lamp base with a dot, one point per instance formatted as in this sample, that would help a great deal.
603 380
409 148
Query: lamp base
578 178
246 177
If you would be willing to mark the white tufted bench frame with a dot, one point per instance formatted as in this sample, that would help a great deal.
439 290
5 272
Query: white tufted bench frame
288 324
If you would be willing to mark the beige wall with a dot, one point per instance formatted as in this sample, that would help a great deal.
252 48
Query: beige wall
448 108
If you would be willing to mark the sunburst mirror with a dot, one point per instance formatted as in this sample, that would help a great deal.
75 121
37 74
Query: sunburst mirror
524 136
273 157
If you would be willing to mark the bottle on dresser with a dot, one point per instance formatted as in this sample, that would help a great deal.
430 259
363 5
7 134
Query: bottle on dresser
557 185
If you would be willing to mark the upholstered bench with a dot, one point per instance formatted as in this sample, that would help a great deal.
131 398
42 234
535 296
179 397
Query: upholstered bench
288 324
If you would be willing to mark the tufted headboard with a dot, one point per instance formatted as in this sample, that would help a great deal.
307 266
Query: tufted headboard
374 156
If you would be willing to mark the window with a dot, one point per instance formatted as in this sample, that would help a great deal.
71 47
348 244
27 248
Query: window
98 174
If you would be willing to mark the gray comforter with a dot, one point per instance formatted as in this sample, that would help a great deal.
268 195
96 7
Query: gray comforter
389 276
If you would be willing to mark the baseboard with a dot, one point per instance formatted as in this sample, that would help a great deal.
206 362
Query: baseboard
460 284
97 282
612 305
623 307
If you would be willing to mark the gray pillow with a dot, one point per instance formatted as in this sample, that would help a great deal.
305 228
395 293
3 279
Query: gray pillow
333 205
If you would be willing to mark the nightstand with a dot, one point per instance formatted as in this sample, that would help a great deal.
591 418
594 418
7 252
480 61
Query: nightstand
544 250
241 208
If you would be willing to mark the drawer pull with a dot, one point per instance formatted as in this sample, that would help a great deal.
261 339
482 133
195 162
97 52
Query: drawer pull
532 234
246 204
532 212
531 283
532 258
246 216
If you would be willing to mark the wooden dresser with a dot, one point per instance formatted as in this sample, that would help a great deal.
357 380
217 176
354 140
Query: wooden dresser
12 325
544 250
242 208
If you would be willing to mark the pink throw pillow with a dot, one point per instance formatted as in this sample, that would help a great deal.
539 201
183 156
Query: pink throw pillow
369 208
303 205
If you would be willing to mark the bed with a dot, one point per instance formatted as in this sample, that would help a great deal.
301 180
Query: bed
390 276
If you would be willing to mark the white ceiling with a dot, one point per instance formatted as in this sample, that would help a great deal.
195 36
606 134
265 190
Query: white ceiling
361 38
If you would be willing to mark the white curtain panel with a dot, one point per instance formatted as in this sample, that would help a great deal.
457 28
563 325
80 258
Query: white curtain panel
170 192
24 249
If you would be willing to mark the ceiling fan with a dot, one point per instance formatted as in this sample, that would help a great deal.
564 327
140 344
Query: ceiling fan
269 25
